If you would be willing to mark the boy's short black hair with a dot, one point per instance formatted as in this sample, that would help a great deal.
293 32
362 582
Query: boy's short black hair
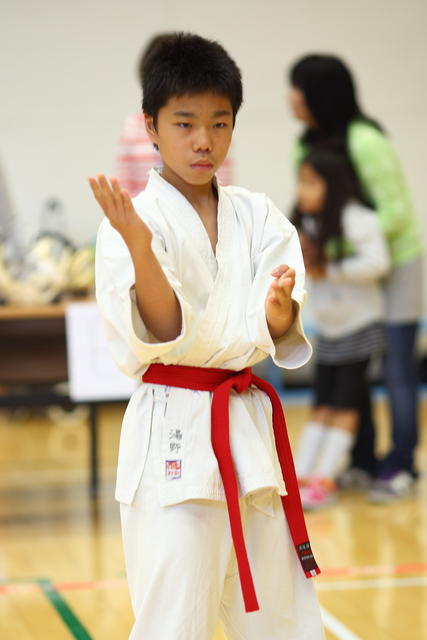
184 63
151 45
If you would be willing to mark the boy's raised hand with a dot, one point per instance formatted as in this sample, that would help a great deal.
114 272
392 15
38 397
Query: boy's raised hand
279 306
118 208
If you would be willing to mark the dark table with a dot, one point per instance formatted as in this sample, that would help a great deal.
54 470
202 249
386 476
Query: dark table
33 359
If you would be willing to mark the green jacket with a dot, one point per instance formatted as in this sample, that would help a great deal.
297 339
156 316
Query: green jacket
378 169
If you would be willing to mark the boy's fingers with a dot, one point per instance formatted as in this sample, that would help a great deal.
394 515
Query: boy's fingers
287 279
277 294
272 298
127 202
117 197
96 191
286 290
115 187
282 290
94 186
105 188
277 272
285 282
280 270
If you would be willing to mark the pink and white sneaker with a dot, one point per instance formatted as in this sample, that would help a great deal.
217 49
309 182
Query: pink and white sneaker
318 493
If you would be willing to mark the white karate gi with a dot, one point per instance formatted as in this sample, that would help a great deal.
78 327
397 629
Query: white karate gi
176 533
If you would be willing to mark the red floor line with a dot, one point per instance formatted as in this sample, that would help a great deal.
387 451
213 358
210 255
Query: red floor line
93 584
22 587
375 570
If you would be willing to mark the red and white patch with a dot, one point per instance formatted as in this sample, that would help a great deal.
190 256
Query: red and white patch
173 469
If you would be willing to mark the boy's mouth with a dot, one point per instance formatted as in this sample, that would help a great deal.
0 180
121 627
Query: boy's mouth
202 165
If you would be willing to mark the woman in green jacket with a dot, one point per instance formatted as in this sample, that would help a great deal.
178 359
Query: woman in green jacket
323 97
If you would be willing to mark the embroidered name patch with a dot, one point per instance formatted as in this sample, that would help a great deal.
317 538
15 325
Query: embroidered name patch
173 469
175 441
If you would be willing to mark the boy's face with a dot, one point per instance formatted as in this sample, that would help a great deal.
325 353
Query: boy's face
193 134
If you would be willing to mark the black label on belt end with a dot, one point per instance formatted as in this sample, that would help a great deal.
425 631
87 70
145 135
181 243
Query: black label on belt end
307 560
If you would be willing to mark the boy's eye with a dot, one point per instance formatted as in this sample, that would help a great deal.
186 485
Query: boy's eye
220 125
184 125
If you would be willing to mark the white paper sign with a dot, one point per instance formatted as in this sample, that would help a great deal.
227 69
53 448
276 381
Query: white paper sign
92 372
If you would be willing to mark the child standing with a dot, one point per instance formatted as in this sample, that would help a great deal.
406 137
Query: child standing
196 283
346 256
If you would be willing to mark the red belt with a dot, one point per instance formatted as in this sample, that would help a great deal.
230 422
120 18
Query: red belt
221 381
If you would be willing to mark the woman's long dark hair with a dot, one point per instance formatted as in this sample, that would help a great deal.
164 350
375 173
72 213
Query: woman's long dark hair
336 171
330 94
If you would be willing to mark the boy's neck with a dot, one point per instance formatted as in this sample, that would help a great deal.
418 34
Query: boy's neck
199 196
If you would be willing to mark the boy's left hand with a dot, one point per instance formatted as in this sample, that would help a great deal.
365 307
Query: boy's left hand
279 306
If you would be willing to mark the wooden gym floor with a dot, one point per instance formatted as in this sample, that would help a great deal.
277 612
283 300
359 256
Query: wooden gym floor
61 562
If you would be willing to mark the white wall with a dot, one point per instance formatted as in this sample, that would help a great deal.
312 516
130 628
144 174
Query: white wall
68 79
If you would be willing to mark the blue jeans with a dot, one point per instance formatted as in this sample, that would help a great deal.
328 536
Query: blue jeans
363 452
401 381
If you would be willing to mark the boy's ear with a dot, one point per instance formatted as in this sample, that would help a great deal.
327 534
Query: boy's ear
150 128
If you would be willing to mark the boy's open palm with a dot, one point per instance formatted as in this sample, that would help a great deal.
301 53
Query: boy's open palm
118 208
279 308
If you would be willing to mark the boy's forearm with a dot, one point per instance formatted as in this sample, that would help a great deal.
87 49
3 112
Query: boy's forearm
157 303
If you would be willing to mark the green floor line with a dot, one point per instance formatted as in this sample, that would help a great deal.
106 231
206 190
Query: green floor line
63 610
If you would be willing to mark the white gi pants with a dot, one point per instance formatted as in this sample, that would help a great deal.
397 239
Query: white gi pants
182 571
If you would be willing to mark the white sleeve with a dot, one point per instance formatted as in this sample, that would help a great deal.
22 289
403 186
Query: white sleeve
279 244
371 259
132 345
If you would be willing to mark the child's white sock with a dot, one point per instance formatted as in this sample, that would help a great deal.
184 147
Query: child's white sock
336 445
308 448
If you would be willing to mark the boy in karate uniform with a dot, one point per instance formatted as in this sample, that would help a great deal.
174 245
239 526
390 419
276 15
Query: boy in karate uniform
196 283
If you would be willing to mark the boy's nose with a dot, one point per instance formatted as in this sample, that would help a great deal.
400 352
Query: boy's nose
202 140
